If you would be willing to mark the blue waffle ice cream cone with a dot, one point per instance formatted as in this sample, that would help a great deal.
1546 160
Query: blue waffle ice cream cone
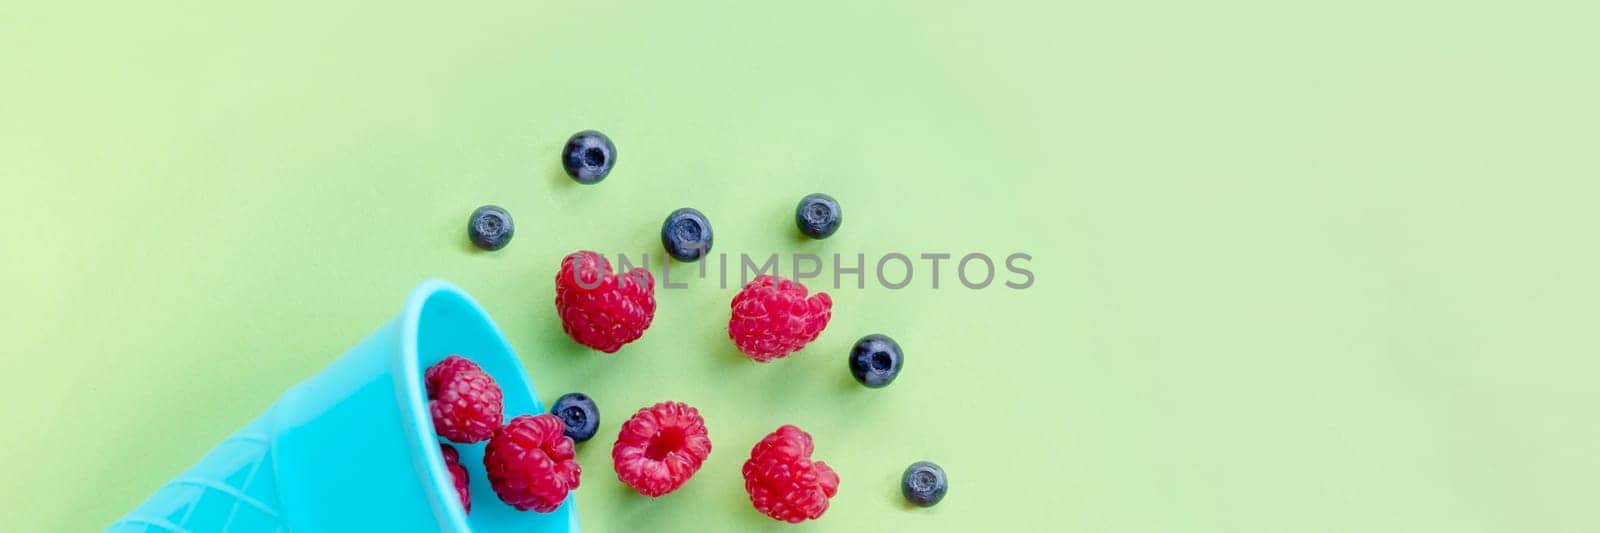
353 447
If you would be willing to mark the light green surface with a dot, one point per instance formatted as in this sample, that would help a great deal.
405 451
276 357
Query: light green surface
1300 267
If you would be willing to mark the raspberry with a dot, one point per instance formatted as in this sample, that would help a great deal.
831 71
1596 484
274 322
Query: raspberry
464 400
530 463
660 448
599 309
772 317
458 474
783 482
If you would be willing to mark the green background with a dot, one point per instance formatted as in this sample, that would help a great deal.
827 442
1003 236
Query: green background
1323 266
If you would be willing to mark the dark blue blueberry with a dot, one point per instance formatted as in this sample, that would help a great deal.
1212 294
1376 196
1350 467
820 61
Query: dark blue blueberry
579 414
490 227
818 215
686 234
589 156
924 484
876 360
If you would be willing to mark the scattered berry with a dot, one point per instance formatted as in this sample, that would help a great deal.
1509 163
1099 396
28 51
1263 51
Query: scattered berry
783 482
818 215
465 401
458 474
875 360
599 309
530 463
660 448
490 227
589 156
578 414
924 484
772 317
686 234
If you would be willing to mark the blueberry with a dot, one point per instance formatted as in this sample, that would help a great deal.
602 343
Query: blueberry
490 227
875 360
578 413
686 234
924 484
818 215
589 156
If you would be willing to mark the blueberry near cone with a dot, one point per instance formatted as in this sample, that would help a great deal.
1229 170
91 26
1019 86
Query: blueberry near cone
818 216
490 228
588 157
924 484
686 234
875 360
578 414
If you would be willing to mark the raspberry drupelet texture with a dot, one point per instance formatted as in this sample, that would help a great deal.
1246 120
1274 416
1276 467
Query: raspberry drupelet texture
530 463
772 317
660 447
458 474
782 480
600 309
464 400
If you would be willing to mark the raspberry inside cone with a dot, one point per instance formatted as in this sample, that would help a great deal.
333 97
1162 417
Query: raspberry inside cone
464 401
530 463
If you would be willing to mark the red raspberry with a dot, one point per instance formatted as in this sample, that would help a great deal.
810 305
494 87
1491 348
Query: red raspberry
458 474
530 463
783 482
772 318
599 309
660 448
465 401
